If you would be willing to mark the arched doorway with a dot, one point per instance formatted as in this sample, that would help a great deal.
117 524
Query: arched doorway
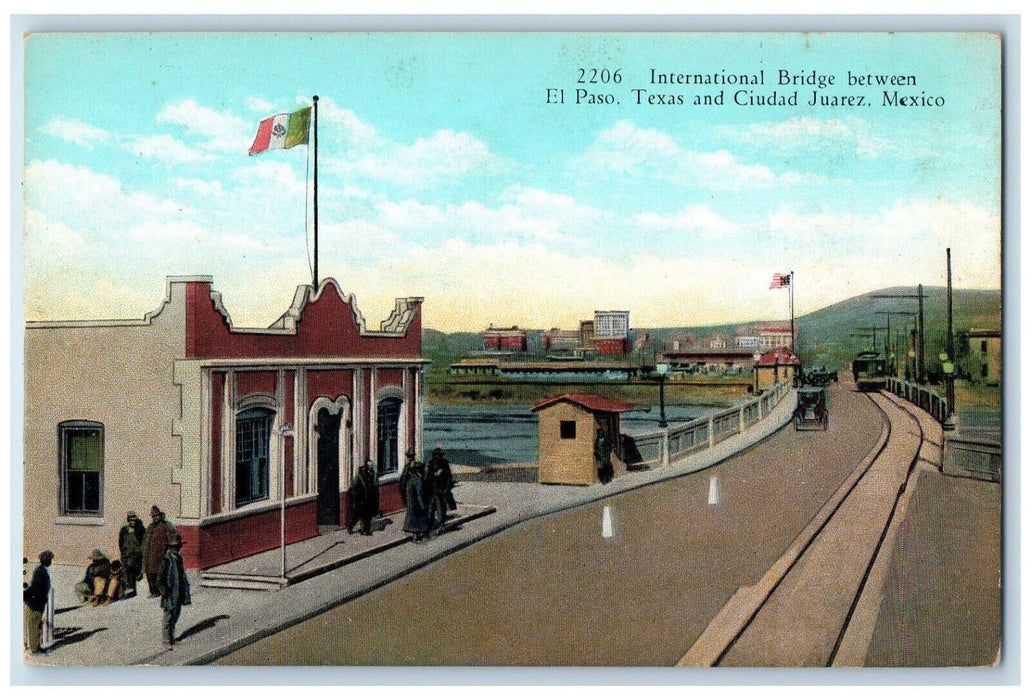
327 426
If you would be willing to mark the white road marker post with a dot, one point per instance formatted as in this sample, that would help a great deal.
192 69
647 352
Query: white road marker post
715 491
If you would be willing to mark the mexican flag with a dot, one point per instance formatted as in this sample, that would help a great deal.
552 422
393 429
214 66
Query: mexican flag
282 131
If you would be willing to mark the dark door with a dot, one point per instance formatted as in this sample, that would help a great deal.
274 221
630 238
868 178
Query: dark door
328 503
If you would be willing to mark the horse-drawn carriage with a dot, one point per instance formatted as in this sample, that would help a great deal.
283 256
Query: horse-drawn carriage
811 412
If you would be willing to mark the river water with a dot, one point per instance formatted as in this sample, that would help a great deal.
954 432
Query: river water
482 436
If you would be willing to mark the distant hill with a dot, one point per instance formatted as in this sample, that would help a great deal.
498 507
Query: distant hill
828 336
833 333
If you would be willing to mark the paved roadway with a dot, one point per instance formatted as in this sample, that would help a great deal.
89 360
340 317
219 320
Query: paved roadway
555 591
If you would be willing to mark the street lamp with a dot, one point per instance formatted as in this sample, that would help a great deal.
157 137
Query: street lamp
286 430
658 372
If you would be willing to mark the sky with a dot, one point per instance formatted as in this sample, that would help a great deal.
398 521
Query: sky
444 172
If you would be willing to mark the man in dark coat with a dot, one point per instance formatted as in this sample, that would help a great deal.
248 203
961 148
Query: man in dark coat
417 519
364 493
603 455
36 597
440 482
174 587
130 547
155 540
406 471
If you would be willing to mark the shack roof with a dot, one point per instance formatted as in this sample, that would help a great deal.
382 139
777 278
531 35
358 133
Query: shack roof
778 356
592 402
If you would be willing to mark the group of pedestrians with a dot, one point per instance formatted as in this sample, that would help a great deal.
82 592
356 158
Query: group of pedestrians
426 490
152 552
142 550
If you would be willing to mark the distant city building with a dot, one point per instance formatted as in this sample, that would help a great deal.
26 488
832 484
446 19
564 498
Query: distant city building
986 352
511 339
586 335
612 332
717 341
776 336
709 360
748 341
556 340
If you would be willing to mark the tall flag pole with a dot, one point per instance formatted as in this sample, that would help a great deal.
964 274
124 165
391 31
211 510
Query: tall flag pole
315 193
779 282
791 293
286 131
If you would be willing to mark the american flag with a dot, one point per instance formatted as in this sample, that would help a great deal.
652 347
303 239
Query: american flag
780 281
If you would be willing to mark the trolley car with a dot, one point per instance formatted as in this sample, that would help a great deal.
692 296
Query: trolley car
870 371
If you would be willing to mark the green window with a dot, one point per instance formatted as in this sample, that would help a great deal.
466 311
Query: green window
82 467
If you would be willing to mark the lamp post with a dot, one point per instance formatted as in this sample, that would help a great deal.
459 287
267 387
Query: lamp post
286 430
658 372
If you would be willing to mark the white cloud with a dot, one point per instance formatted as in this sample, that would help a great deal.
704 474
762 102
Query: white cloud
78 196
74 131
164 148
224 131
202 187
257 103
524 213
807 133
648 154
697 219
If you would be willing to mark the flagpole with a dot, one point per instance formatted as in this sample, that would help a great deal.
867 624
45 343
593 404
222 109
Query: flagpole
315 195
791 295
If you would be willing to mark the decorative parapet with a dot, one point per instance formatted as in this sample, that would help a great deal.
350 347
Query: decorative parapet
401 317
396 325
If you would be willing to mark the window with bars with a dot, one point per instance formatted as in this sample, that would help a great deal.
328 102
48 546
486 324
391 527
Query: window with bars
253 433
82 467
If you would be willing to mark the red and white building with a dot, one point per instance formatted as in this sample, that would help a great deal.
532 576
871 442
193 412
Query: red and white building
219 426
511 339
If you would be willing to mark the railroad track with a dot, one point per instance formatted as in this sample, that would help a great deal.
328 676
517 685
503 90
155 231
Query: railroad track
816 606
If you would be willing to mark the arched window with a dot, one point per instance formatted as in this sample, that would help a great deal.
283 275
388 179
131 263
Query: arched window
388 418
82 467
253 435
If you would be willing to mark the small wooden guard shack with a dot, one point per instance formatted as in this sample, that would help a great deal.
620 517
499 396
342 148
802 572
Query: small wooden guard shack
777 365
566 433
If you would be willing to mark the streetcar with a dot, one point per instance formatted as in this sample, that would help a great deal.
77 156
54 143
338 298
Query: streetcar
812 410
870 370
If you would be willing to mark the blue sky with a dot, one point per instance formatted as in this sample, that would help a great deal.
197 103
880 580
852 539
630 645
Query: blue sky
443 173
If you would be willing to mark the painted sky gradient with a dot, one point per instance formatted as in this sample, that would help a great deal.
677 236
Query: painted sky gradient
443 174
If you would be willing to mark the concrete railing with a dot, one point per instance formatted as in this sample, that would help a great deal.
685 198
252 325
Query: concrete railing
972 455
660 447
927 399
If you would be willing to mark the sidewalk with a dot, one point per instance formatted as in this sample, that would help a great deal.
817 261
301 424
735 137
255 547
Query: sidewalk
328 570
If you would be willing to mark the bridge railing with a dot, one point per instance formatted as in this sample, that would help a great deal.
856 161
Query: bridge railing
927 399
665 445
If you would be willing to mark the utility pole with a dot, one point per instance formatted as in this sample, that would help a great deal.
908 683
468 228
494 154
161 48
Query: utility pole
890 356
950 377
919 296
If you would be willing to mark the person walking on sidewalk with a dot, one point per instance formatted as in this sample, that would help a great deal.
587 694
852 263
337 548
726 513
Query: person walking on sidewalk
155 540
364 493
130 547
174 587
417 519
36 597
406 471
440 482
